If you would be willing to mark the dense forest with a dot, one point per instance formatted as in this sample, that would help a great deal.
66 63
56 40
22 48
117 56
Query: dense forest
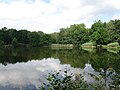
100 33
23 38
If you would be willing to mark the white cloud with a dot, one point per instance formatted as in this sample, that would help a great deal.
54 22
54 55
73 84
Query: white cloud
49 17
31 73
116 17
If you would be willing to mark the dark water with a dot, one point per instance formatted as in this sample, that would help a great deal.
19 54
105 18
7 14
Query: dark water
27 68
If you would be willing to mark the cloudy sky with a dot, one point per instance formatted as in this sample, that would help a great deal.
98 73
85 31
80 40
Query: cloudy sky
50 15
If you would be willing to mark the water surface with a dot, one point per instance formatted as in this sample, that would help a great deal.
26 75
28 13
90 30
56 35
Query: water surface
27 68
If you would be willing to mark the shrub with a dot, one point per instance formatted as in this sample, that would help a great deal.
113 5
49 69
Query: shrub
63 81
67 81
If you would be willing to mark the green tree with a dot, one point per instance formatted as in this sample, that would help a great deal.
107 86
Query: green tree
34 39
14 42
54 38
1 43
99 33
58 81
79 34
113 28
47 39
23 36
41 35
76 34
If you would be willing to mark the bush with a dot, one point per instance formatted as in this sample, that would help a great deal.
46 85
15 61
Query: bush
63 81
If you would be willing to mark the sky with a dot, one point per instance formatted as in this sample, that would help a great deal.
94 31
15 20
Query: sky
51 15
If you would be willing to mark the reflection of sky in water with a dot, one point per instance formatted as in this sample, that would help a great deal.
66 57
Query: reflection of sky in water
33 73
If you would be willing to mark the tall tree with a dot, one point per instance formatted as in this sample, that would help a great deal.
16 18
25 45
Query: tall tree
100 34
79 34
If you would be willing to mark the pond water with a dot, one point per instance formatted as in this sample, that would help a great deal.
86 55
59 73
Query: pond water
27 68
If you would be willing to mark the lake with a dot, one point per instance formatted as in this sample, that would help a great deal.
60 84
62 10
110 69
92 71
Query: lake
27 68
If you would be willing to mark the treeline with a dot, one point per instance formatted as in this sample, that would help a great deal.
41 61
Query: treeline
13 37
100 33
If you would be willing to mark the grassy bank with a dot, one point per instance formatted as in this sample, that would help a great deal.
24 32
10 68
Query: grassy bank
93 45
111 45
61 46
89 45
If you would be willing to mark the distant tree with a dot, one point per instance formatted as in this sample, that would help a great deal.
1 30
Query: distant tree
113 28
47 39
34 39
23 36
13 33
4 28
1 43
79 34
14 42
41 35
117 30
54 37
62 36
76 34
100 34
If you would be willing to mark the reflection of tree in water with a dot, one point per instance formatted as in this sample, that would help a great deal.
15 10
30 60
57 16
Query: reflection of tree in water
23 55
105 60
98 59
74 57
12 59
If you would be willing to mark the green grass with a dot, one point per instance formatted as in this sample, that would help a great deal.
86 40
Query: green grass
61 46
114 44
88 44
112 47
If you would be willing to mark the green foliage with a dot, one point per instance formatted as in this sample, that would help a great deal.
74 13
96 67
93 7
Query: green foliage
23 37
54 38
77 34
114 30
63 81
34 39
100 34
1 43
105 79
47 39
14 42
